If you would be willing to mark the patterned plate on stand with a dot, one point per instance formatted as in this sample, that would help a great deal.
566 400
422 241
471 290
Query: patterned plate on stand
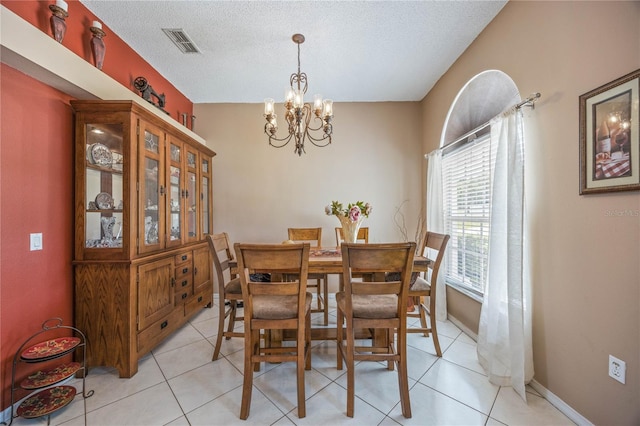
46 401
43 379
50 349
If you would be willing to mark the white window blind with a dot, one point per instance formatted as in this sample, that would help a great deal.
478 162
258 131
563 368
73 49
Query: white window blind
467 174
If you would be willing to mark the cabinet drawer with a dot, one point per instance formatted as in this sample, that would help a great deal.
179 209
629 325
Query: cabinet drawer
159 330
183 257
184 271
198 302
183 283
182 296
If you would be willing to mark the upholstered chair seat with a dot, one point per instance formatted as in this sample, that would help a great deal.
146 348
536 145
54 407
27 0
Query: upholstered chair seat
278 307
370 306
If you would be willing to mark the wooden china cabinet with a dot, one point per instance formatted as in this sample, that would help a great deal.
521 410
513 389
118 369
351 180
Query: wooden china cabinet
143 205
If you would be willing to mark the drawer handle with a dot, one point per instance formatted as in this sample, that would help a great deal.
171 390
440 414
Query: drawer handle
184 296
195 271
184 283
164 324
184 257
185 270
200 299
173 281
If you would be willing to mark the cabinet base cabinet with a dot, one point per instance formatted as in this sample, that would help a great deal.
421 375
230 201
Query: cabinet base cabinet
127 308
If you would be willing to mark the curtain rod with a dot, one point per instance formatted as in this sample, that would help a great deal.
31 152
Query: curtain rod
528 102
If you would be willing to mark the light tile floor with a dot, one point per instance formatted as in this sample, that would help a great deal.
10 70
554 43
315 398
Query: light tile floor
178 384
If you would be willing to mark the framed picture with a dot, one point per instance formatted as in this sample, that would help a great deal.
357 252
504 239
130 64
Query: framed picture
609 137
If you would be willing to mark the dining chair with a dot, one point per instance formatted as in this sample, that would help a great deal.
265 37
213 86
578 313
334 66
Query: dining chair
314 237
377 305
229 289
276 305
363 235
433 246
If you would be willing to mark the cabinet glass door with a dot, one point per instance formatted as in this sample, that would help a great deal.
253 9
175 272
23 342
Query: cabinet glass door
103 225
176 206
152 191
192 196
205 172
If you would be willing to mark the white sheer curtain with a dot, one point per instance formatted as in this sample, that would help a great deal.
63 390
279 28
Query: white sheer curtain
435 223
504 334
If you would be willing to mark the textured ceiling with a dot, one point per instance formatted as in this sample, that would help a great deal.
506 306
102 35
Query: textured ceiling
355 51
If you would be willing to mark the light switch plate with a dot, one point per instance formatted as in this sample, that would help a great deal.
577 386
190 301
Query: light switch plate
35 241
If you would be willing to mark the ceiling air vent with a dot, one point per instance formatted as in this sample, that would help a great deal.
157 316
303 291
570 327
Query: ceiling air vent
181 39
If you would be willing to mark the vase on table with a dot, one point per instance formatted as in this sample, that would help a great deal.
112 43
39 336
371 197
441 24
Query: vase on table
350 228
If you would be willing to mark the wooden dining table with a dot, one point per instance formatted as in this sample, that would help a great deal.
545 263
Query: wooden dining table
328 260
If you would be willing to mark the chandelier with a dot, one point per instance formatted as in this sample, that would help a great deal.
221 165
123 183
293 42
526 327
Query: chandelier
298 113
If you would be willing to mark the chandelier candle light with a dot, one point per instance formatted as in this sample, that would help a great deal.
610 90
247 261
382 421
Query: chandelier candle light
298 113
350 218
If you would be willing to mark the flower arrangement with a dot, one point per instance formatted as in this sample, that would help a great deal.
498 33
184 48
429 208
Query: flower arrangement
354 211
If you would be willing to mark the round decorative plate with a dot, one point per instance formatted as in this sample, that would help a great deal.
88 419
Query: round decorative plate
104 201
101 155
50 349
46 401
43 379
89 156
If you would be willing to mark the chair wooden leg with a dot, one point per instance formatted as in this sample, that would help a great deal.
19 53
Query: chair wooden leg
247 383
403 380
232 318
221 317
434 332
325 289
300 367
390 335
307 338
350 370
422 311
339 340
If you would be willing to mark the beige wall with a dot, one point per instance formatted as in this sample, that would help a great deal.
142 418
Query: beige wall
259 191
586 262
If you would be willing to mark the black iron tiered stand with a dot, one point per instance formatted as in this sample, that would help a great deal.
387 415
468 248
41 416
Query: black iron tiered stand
48 395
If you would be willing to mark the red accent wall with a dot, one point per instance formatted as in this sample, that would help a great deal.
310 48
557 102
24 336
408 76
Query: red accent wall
36 180
121 62
36 195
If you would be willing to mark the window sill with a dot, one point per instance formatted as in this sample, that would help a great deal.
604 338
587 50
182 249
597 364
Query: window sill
469 293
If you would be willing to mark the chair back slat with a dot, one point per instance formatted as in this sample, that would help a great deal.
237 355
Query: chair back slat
274 289
377 259
312 236
393 287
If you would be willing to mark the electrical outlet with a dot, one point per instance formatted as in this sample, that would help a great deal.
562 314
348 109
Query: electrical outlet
617 369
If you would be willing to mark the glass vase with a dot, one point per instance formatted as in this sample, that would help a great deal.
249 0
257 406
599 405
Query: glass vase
350 229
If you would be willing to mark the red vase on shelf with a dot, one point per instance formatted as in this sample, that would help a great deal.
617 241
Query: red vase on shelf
97 44
58 24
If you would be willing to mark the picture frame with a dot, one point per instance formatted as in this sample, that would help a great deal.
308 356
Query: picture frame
610 137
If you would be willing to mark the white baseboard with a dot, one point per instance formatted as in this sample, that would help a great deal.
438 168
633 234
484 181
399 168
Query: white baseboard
553 399
5 416
463 327
564 408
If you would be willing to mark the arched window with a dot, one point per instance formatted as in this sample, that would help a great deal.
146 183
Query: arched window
468 159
